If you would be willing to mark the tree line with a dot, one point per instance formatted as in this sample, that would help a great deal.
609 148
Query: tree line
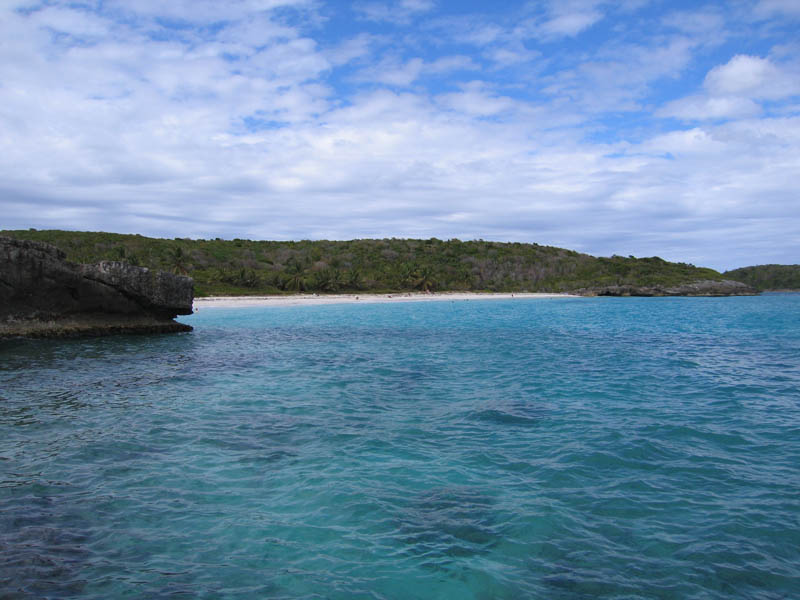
768 277
239 267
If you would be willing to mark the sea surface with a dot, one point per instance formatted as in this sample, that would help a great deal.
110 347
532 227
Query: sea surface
495 449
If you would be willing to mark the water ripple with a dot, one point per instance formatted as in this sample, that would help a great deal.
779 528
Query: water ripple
608 448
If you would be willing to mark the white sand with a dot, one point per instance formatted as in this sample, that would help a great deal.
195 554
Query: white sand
314 299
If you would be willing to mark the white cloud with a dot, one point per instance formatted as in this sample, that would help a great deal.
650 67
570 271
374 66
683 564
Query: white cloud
394 72
708 22
510 54
199 11
477 33
689 142
351 49
396 12
618 78
569 17
445 64
70 21
253 31
705 107
571 24
733 90
417 5
752 76
476 100
769 8
259 126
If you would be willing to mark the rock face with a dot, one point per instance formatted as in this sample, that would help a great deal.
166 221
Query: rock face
44 295
725 287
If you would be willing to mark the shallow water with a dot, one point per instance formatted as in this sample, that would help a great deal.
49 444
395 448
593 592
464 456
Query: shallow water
566 448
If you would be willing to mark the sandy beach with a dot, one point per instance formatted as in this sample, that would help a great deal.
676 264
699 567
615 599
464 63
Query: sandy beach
314 299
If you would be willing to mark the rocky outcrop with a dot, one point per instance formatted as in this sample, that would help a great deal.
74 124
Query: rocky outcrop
44 295
707 287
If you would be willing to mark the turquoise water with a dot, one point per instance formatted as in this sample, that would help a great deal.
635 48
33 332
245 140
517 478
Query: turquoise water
554 449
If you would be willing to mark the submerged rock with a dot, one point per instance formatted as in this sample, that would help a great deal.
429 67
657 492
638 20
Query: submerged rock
44 295
708 287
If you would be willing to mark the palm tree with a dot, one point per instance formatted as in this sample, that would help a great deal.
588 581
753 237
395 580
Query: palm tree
353 280
327 280
178 260
406 276
425 280
295 280
247 278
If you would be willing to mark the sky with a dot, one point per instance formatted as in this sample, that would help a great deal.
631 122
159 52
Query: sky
635 127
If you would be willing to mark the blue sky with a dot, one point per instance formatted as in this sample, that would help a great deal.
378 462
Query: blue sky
631 127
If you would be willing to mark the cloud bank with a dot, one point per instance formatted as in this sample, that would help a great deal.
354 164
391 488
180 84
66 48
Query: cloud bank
608 128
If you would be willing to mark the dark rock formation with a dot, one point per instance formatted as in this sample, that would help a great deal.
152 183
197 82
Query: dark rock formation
708 287
44 295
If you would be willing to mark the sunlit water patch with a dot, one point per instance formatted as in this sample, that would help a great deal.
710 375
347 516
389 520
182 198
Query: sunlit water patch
566 448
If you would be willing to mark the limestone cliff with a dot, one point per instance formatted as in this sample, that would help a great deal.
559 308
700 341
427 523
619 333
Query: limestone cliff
43 295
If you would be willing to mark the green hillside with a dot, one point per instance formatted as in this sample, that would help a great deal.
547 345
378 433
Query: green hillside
240 267
768 277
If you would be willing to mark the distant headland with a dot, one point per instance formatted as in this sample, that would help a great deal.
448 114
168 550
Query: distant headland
768 278
257 268
63 283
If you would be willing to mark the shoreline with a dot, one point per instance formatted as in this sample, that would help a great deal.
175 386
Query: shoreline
315 300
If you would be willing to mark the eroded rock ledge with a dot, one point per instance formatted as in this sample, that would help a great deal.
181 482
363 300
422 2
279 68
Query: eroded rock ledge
44 295
709 287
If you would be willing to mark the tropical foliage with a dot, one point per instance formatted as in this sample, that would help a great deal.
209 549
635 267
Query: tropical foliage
768 277
259 267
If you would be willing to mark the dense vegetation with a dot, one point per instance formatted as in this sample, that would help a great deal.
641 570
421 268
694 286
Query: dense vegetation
768 277
262 267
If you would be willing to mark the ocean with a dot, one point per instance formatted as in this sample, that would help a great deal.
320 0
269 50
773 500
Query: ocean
562 448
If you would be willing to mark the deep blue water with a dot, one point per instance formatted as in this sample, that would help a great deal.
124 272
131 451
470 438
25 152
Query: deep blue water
554 449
